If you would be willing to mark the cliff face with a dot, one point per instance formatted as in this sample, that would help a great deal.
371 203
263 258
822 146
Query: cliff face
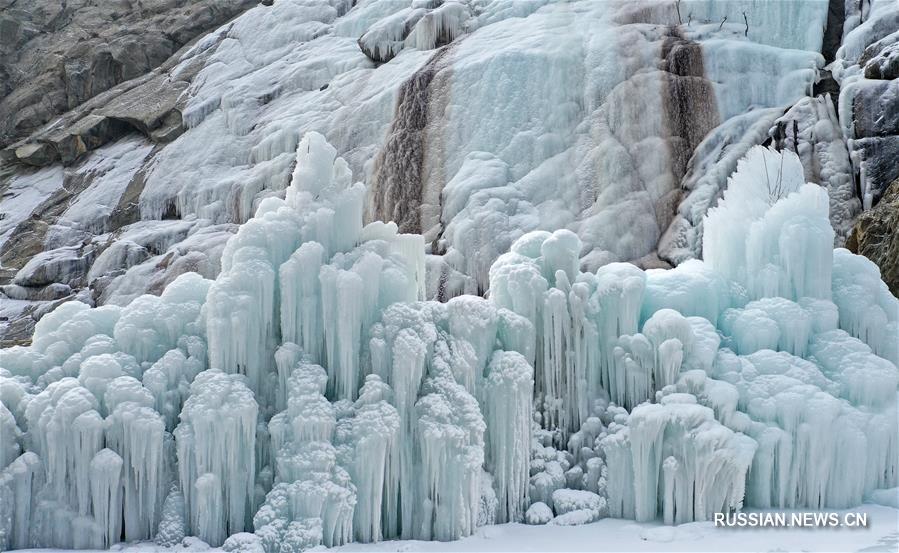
54 56
867 68
876 236
132 150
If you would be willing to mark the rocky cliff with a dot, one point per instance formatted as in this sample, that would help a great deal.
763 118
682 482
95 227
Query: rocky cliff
55 56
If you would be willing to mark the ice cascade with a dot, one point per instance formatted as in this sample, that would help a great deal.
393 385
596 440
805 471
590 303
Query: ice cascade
309 396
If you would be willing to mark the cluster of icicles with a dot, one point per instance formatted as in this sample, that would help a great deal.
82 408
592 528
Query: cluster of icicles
309 395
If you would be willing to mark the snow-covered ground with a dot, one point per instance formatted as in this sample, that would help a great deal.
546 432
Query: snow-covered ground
882 534
611 534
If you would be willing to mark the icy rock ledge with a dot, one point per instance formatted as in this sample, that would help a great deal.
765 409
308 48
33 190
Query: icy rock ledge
310 396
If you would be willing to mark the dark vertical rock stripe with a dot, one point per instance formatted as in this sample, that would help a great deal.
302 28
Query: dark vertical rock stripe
396 191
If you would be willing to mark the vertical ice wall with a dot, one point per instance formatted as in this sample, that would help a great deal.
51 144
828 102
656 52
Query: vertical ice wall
578 315
410 484
436 357
370 437
311 489
685 463
671 394
508 410
294 273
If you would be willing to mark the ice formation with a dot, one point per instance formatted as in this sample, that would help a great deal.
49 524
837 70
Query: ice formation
309 395
475 121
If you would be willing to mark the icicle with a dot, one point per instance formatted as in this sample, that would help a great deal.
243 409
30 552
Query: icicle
508 404
374 435
19 485
301 299
136 432
106 490
217 437
287 357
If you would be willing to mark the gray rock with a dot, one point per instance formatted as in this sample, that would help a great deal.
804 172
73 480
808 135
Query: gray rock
54 56
66 266
876 109
36 153
875 112
876 236
50 292
147 107
877 157
85 134
885 65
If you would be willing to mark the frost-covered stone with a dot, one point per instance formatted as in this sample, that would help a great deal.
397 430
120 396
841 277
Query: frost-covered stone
173 523
574 518
243 542
538 513
567 501
510 389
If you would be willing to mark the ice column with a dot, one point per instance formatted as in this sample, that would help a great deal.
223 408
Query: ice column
508 403
19 484
313 499
106 493
677 447
372 436
136 433
771 232
216 455
450 434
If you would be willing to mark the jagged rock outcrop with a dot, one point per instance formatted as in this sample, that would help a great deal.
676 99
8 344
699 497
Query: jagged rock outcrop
876 236
867 69
55 56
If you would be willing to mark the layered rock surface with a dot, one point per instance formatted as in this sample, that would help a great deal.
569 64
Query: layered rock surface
55 56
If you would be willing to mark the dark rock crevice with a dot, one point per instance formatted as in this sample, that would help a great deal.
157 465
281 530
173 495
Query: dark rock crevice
833 30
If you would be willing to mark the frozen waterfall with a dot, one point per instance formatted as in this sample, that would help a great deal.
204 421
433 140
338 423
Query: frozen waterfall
309 395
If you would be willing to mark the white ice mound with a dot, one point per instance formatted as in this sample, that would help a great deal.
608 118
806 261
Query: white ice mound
742 351
308 394
770 232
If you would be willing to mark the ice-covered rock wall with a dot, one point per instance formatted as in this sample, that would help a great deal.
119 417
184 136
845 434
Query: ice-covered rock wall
343 407
473 122
867 71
